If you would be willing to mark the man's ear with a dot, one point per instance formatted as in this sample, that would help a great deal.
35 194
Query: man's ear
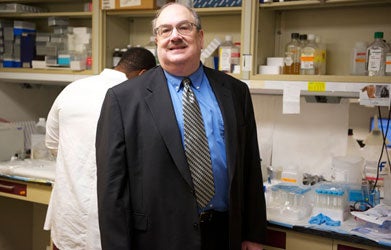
141 72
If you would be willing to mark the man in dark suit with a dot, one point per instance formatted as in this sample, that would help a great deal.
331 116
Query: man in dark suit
147 195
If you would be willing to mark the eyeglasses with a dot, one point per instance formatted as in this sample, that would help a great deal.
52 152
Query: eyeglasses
183 28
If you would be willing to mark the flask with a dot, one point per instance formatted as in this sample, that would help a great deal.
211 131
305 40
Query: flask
359 55
116 56
292 56
225 51
320 57
235 58
376 56
307 57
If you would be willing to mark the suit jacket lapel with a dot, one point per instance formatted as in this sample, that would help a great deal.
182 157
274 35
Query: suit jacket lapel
224 97
159 102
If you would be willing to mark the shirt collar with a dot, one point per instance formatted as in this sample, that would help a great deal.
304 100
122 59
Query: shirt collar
196 79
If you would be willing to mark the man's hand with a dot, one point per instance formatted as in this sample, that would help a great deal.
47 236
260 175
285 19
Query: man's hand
247 245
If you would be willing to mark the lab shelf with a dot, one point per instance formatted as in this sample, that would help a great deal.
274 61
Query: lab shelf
47 77
340 23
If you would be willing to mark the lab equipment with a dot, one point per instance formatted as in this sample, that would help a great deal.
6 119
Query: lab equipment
331 200
288 202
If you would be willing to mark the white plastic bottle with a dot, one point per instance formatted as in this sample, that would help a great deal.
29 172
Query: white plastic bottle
225 52
292 56
307 57
359 55
376 56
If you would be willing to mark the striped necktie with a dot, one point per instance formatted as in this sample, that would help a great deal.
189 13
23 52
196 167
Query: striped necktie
196 147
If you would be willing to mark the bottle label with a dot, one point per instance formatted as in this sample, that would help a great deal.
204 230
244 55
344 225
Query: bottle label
307 62
374 59
388 63
225 59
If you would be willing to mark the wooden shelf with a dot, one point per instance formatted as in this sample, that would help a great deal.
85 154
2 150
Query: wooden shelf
39 76
81 14
151 13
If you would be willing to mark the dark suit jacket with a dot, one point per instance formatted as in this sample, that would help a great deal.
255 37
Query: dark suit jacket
145 191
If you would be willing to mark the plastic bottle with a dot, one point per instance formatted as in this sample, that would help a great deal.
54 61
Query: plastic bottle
40 126
89 59
292 56
320 57
116 56
388 60
38 148
307 57
376 56
235 58
359 55
225 52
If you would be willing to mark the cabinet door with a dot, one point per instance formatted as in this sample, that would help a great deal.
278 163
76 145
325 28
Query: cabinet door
298 241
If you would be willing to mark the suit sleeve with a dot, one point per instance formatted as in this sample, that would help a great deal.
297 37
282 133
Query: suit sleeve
255 221
112 181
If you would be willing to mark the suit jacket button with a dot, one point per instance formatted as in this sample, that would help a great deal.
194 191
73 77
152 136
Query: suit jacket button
195 226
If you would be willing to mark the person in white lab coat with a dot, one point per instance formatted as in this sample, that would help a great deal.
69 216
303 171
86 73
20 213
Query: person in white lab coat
72 215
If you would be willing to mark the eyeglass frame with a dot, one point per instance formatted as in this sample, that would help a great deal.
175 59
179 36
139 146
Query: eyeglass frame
155 30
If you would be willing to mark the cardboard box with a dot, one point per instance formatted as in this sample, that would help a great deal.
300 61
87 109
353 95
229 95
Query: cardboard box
133 4
216 3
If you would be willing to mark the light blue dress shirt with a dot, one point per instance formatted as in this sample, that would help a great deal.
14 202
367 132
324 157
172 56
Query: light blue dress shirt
214 128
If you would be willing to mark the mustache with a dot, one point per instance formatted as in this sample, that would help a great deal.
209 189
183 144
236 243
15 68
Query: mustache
177 43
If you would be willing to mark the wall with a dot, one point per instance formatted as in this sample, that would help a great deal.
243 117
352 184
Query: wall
307 141
21 102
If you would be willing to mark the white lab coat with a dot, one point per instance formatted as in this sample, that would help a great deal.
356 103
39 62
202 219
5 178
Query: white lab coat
72 214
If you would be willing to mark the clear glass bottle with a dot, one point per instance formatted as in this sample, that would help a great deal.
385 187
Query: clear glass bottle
376 56
359 55
303 40
225 51
292 56
307 56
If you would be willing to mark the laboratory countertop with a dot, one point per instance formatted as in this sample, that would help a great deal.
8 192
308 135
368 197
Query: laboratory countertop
36 171
351 230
